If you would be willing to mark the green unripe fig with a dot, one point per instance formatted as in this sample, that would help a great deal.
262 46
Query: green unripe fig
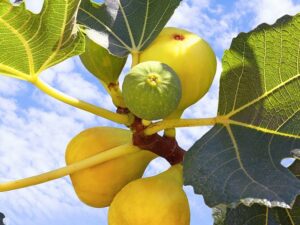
98 61
157 200
192 59
98 185
151 90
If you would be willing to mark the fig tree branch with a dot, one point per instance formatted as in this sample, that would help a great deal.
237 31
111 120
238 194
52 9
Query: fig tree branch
167 124
64 171
115 117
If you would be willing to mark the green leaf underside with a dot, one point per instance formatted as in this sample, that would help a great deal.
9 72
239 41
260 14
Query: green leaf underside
125 26
259 122
31 43
261 215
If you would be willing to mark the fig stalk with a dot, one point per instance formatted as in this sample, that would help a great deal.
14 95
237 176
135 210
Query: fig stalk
167 124
113 89
135 59
96 110
67 170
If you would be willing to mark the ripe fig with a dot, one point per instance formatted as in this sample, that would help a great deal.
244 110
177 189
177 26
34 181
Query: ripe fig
156 200
151 90
97 186
192 59
98 61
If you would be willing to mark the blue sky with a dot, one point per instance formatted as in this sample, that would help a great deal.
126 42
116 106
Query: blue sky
35 129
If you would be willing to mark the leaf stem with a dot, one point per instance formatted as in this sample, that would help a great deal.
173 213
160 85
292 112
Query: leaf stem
75 167
171 132
118 118
113 89
167 124
135 58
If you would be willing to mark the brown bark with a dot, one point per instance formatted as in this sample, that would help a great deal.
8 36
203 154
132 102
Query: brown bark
166 147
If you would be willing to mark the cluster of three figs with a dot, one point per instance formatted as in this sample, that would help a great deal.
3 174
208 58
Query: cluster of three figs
174 72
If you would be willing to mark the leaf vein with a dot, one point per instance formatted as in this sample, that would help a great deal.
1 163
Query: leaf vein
24 43
107 28
266 94
128 26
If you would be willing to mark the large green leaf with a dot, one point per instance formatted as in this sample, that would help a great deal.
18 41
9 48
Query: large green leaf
125 26
256 215
261 215
31 43
292 216
258 122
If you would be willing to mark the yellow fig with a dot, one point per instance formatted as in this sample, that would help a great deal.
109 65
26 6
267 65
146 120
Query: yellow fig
97 186
190 57
152 201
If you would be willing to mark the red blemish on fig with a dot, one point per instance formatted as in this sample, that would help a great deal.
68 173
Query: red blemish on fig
178 37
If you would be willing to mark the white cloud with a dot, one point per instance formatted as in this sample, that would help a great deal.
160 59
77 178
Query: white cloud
34 5
81 88
218 23
209 20
66 66
268 11
65 79
10 86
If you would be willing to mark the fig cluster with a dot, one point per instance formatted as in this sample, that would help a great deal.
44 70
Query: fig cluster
188 57
171 74
118 183
175 71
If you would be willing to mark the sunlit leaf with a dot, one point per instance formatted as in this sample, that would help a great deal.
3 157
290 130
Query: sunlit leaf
30 43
